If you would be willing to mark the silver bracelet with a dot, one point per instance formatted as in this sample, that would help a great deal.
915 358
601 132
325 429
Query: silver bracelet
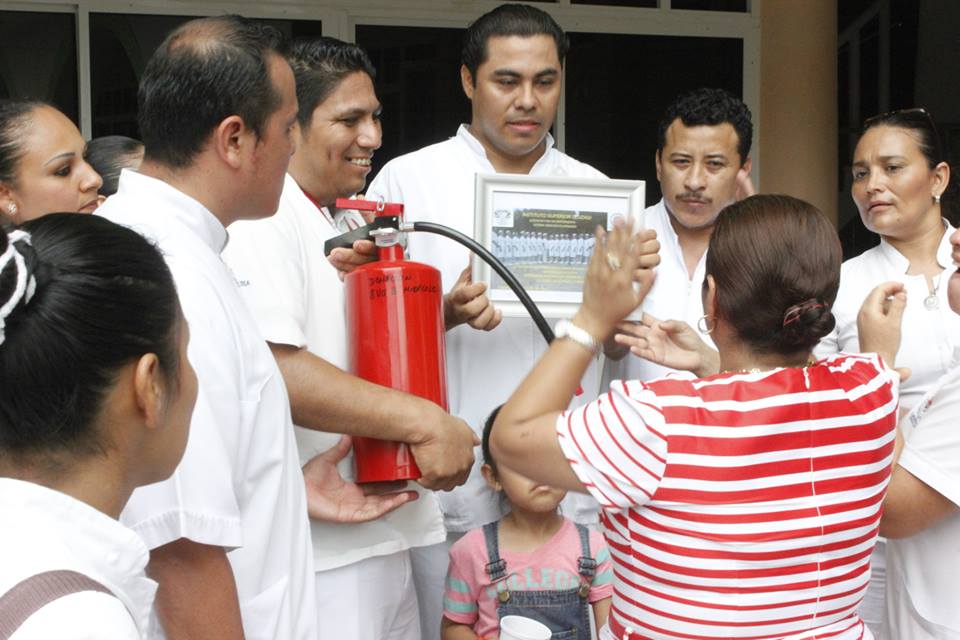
566 329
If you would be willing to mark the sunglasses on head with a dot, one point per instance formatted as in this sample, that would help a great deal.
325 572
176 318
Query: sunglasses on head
918 114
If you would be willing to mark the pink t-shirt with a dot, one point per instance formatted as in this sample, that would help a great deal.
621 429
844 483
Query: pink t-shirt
470 598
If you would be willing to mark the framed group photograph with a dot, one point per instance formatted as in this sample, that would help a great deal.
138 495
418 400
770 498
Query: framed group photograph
542 230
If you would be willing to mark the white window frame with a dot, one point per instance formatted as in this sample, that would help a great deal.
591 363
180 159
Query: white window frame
341 17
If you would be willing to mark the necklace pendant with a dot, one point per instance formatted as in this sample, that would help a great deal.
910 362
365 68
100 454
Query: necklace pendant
931 302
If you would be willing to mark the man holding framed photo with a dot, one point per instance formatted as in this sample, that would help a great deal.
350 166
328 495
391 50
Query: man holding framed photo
511 73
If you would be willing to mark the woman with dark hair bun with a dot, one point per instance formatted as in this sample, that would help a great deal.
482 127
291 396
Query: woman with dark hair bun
96 400
906 193
904 189
41 163
742 504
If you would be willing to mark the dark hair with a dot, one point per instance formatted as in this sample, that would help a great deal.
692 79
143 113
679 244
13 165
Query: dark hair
509 20
14 115
919 122
319 65
108 155
102 297
710 107
776 263
485 439
204 71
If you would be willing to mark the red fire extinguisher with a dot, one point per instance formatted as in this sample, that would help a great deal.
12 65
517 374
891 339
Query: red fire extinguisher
395 332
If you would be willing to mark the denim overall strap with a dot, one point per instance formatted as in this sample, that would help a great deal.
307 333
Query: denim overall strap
586 564
496 567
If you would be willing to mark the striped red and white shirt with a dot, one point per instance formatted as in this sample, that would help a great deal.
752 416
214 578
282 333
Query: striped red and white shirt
743 505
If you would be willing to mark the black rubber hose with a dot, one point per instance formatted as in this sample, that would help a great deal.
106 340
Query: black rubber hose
497 266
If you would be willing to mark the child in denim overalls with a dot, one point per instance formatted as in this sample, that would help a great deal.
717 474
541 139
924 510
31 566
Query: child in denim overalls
533 563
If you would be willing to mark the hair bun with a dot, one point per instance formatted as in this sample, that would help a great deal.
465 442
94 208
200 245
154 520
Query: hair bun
803 312
17 282
808 321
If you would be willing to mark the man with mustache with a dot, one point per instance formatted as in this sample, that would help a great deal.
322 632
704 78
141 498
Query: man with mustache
703 164
511 74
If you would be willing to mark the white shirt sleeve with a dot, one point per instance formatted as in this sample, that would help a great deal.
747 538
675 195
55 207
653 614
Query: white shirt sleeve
932 450
270 278
616 445
385 186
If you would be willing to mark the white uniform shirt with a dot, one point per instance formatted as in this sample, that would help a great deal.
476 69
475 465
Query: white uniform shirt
922 569
436 184
297 299
675 295
45 530
239 485
928 336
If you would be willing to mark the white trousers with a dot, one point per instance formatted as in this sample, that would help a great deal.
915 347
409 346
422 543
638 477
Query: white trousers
429 575
373 598
873 609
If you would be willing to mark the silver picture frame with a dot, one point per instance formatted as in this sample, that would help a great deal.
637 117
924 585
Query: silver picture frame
542 229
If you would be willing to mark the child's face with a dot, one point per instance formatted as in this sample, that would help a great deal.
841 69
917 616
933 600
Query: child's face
523 492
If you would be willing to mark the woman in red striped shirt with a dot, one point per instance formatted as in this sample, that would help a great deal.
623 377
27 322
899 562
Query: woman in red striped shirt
743 504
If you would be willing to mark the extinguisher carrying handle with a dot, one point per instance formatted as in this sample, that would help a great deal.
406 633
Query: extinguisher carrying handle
497 266
346 240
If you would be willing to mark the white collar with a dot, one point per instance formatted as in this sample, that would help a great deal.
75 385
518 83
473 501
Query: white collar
186 210
899 262
476 147
117 554
671 238
670 234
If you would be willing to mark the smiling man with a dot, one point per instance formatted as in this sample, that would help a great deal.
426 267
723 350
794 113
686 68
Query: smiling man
511 72
363 575
703 164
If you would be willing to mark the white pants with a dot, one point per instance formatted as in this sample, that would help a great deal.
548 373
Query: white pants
429 575
873 609
373 598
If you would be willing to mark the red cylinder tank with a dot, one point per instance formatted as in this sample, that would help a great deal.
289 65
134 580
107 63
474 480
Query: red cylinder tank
395 329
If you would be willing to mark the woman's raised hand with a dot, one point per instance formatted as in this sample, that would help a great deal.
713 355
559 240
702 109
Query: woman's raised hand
878 322
619 259
669 343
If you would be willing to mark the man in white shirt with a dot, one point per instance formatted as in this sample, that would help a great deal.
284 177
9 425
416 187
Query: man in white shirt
703 164
363 576
511 73
228 532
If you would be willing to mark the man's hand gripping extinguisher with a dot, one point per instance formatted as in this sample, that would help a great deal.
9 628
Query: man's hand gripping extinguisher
395 328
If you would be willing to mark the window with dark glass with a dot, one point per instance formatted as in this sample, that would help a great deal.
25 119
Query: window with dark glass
121 44
620 3
38 58
619 85
418 83
869 83
710 5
